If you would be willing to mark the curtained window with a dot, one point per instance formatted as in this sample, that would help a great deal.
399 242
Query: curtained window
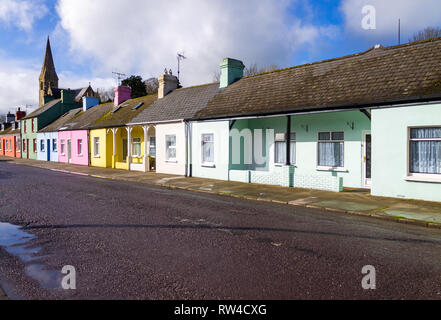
80 147
170 148
136 147
207 148
42 145
54 145
280 148
152 146
331 147
425 150
96 146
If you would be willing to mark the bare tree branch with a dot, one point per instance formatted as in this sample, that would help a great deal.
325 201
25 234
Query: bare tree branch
427 33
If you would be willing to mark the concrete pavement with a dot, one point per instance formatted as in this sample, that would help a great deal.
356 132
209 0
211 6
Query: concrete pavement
356 202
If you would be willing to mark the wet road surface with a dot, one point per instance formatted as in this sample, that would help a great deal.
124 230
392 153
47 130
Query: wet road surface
134 241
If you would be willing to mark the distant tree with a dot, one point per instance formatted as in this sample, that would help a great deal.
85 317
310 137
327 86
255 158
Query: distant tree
427 33
105 95
151 85
251 70
254 69
216 76
137 85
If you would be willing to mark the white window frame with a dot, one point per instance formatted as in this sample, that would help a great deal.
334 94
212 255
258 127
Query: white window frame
422 177
62 147
42 146
167 159
137 142
293 141
80 147
96 147
152 146
203 143
328 168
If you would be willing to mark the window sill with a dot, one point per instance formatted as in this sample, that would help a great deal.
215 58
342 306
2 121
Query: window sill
97 156
171 161
208 165
424 178
284 165
333 169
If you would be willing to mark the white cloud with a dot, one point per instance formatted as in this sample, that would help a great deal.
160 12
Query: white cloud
143 37
414 15
21 13
19 81
19 84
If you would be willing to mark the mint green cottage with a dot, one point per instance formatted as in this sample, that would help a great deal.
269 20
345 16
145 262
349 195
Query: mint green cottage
53 103
42 117
371 120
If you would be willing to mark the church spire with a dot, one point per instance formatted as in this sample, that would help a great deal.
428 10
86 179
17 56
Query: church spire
48 76
48 68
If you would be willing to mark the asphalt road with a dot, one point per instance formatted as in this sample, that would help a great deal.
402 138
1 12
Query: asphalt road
134 241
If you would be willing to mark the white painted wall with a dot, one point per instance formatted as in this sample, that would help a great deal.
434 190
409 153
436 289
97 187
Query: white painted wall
221 135
162 165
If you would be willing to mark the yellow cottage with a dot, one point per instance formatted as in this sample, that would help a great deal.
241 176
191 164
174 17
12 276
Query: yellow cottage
113 144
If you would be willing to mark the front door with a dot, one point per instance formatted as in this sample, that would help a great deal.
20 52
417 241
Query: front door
69 151
367 160
48 148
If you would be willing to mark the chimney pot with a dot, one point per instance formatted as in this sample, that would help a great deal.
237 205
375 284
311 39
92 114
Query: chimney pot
167 83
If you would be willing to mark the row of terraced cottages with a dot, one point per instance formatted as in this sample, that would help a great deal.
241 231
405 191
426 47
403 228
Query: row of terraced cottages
369 120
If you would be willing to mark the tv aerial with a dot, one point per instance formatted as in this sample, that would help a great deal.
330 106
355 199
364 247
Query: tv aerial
180 57
119 76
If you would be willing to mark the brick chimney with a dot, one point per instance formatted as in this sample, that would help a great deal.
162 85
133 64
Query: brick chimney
89 102
10 118
19 114
167 83
122 93
231 71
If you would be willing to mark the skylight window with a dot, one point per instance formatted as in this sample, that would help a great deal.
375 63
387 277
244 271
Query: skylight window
116 110
139 105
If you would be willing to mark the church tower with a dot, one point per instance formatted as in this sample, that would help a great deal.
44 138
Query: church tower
48 76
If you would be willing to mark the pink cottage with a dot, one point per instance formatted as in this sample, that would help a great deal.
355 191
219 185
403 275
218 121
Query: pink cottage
73 138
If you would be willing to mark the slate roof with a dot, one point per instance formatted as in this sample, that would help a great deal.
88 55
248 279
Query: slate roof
42 109
60 122
125 114
7 131
180 104
378 76
84 120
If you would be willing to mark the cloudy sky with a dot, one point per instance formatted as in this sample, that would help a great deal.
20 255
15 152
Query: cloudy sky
90 39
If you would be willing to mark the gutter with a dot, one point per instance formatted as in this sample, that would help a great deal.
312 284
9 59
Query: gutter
336 108
157 122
